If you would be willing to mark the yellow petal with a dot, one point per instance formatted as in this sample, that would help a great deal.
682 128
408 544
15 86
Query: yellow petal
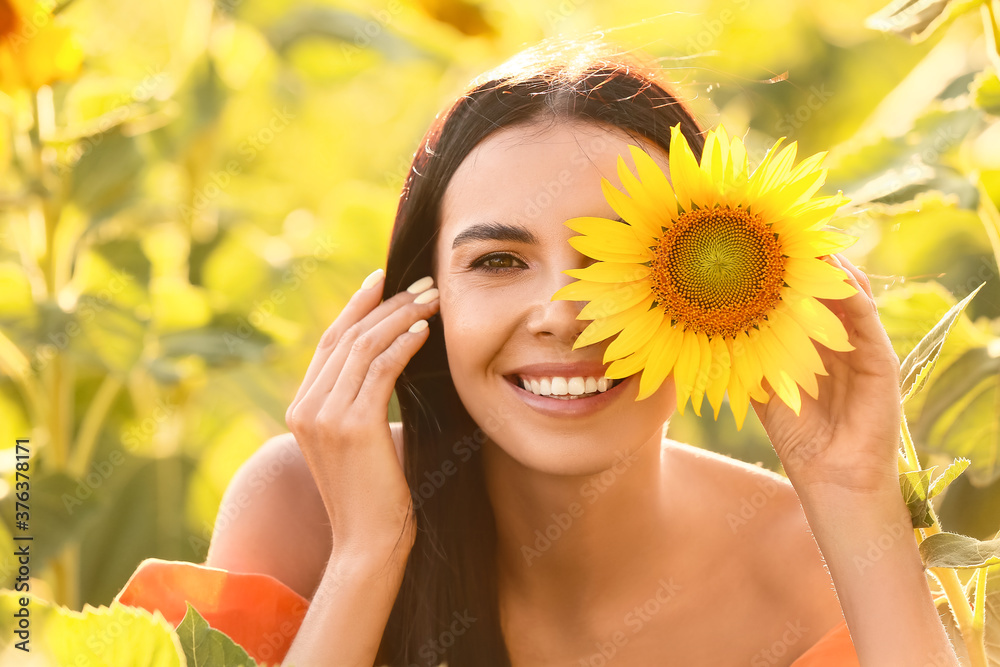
738 400
798 344
630 365
620 297
746 364
781 382
774 172
605 327
583 290
739 163
808 243
816 320
661 359
718 374
817 278
636 334
646 230
701 379
686 369
794 367
655 181
614 236
690 183
610 272
596 248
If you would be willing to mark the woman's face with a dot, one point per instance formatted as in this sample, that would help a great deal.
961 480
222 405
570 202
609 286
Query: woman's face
500 256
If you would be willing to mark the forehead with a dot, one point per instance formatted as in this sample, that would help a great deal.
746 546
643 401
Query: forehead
534 174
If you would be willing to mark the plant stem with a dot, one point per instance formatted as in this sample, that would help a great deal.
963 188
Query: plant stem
90 427
992 33
958 601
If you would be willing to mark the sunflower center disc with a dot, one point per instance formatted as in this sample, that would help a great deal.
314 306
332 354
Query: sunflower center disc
718 270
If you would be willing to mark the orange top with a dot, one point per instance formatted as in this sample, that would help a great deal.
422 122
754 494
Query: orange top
262 615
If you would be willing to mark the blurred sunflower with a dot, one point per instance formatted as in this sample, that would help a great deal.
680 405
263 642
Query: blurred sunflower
34 51
715 278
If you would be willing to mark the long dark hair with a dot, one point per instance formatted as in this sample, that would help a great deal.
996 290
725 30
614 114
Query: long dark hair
447 607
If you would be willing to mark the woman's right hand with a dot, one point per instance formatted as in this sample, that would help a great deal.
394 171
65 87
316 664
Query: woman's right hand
340 418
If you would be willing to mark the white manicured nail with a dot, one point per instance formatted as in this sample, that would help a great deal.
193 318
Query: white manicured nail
418 326
428 296
420 285
373 279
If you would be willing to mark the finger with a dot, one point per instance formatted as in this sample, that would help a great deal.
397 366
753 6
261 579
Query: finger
347 368
858 312
858 274
387 367
361 302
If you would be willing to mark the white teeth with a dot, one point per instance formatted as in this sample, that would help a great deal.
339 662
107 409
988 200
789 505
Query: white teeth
566 387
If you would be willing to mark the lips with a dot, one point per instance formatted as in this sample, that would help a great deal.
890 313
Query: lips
565 405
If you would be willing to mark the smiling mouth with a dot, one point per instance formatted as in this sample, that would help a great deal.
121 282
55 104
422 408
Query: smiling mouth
563 388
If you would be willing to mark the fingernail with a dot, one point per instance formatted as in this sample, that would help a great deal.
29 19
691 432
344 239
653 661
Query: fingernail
420 285
428 296
418 326
373 279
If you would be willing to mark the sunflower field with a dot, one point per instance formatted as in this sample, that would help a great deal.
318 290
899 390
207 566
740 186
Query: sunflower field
190 190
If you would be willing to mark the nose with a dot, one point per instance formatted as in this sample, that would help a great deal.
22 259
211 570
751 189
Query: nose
556 319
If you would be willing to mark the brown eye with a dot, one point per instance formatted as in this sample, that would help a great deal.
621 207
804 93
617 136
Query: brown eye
497 263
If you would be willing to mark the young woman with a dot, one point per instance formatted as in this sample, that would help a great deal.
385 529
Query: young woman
495 525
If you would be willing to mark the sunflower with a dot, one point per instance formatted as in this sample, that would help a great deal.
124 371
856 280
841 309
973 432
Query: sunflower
714 275
34 51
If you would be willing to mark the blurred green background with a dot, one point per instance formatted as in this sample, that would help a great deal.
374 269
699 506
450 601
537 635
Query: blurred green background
193 191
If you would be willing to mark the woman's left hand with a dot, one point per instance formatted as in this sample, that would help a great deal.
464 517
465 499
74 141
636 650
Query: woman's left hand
847 437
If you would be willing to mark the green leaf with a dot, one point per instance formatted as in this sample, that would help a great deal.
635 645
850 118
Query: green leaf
106 177
204 646
985 92
948 476
98 636
915 486
918 19
970 428
954 550
917 366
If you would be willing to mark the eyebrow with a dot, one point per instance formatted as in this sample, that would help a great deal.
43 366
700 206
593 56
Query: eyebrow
498 231
494 231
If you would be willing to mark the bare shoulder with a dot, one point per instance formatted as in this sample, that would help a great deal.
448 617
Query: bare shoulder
759 514
272 519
